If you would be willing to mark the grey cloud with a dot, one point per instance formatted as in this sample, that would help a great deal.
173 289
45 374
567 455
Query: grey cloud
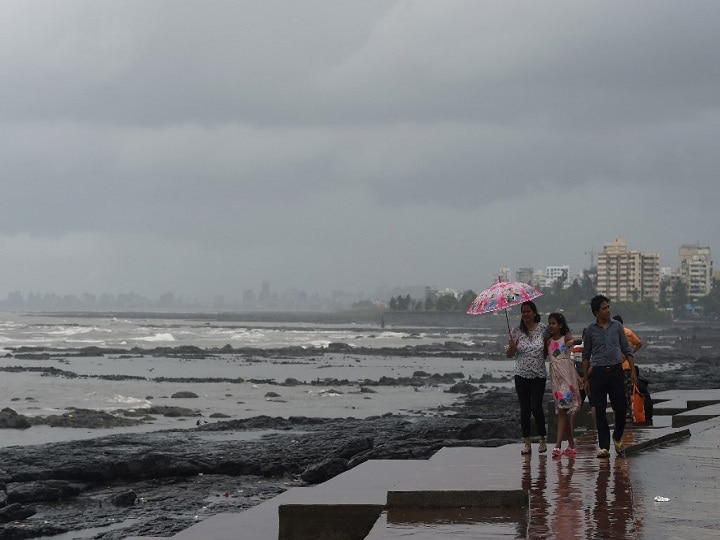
357 143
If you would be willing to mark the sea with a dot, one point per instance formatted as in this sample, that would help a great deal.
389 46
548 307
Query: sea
229 386
139 373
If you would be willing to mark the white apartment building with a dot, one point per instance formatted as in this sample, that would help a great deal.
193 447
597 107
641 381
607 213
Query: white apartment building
553 273
624 275
696 270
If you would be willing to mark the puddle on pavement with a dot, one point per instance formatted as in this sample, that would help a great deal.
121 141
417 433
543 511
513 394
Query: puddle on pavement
585 494
462 522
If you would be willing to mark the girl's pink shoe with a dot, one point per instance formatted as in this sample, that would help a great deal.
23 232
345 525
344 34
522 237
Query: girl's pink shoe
570 452
557 452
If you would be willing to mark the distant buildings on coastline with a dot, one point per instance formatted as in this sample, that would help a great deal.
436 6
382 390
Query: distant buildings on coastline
621 273
628 275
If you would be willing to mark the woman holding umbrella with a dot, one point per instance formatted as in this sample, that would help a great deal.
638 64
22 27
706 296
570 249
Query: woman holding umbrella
527 346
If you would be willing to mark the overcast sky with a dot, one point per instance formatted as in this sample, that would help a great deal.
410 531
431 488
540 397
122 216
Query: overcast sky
204 147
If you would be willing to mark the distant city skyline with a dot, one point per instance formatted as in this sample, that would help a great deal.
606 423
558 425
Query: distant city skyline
265 296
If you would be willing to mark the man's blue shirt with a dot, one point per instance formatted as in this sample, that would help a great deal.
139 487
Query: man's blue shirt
605 347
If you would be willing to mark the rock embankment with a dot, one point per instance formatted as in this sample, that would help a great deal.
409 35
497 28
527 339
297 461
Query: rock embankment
58 487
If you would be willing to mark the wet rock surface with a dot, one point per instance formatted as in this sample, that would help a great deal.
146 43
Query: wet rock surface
140 479
156 484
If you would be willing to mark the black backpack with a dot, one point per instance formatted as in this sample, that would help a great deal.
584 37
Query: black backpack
642 384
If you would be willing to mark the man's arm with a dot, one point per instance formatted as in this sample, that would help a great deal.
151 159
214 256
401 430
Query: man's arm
624 345
586 375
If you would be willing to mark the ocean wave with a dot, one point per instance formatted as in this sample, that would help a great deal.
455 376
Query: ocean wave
164 336
133 402
74 330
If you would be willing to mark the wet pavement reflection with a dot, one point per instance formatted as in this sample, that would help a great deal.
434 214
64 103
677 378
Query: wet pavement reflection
469 522
579 497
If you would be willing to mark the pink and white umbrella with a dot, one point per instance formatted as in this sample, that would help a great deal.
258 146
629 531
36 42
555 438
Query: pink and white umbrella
502 295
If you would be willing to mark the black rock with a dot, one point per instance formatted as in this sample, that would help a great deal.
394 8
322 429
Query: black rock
183 395
325 470
9 419
16 512
42 491
127 498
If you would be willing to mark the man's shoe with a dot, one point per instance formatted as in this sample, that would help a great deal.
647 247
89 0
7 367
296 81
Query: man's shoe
619 448
526 450
603 453
542 447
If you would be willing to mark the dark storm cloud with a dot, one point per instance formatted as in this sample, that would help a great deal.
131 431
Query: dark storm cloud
257 132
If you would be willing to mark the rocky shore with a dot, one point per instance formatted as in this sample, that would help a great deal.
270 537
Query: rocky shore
162 482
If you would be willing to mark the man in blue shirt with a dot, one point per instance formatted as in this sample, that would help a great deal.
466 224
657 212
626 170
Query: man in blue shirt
603 349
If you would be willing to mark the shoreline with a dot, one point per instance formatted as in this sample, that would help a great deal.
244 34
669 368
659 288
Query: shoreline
211 467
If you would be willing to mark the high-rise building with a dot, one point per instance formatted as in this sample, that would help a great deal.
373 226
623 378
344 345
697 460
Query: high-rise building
696 270
624 275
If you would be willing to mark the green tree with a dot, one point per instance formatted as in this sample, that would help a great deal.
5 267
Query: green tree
558 286
664 296
446 302
679 298
466 299
362 305
575 293
400 303
711 302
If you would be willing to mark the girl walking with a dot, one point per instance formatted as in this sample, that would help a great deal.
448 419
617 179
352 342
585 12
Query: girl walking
564 381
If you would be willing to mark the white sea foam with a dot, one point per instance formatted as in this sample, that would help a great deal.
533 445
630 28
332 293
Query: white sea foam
72 330
130 401
320 343
165 336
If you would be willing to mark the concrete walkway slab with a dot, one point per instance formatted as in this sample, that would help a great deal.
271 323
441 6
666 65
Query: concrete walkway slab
366 484
575 497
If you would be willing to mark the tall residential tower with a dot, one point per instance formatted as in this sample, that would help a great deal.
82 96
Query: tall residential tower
624 275
696 270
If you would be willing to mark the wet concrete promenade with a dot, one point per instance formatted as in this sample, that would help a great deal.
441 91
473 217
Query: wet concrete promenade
666 487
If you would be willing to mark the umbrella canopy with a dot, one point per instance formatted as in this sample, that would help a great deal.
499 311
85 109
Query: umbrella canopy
502 295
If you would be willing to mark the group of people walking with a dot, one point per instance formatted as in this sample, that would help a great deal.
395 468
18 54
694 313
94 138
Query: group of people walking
605 349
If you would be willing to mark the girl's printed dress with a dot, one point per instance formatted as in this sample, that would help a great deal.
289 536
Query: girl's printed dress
564 379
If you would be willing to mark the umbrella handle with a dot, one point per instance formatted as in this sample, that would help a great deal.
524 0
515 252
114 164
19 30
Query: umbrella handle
507 319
